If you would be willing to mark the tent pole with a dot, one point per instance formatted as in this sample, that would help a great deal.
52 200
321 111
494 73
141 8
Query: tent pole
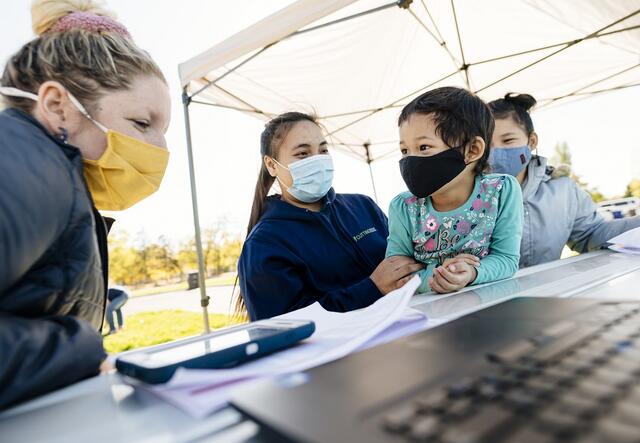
204 299
369 161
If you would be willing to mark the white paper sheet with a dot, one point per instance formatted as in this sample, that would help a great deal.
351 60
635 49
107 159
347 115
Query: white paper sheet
625 249
627 242
200 392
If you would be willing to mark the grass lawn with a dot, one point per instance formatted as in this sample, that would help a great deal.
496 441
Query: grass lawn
222 280
152 328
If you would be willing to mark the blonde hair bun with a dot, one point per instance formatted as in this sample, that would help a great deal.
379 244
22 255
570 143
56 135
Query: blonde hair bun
45 13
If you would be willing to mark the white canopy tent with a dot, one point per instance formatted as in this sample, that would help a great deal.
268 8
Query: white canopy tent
355 63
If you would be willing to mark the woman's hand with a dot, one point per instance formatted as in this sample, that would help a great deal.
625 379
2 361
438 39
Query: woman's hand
106 367
393 272
452 277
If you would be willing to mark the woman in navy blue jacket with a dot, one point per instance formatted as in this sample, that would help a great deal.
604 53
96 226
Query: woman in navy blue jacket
310 244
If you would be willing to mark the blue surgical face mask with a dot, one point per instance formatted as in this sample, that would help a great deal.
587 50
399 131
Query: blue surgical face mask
509 160
312 178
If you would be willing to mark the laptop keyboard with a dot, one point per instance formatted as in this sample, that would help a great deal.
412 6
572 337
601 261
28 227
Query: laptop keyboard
578 380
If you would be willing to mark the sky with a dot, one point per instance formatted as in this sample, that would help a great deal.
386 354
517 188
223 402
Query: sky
600 131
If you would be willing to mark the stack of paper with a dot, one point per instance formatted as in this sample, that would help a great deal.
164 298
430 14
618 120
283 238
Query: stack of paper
627 242
200 392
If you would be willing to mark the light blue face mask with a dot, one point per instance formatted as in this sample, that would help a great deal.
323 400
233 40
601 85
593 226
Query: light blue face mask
312 178
509 160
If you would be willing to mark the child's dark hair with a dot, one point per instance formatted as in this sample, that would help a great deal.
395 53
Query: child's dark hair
274 132
515 106
459 116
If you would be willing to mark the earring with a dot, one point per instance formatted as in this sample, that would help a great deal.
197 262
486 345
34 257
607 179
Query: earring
63 136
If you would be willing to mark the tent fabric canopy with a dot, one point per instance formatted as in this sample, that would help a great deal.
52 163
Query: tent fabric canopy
356 63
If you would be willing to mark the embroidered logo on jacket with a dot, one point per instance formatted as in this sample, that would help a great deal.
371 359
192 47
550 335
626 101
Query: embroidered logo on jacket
364 234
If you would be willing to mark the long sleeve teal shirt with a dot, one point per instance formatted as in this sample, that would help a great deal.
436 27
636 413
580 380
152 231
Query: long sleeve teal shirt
488 225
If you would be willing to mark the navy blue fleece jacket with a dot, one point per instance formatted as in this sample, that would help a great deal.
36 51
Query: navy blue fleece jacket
294 257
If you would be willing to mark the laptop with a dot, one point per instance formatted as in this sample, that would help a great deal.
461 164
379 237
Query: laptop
526 370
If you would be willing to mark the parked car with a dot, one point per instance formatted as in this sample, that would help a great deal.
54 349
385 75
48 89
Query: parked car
620 208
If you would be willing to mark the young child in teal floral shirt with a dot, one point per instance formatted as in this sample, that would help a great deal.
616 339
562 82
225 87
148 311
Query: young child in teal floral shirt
465 225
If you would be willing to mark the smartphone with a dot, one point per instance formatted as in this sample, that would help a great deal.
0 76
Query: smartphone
220 349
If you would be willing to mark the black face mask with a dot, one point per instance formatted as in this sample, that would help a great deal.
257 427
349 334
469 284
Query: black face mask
425 175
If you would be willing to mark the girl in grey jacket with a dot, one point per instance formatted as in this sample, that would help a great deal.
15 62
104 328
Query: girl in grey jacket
557 211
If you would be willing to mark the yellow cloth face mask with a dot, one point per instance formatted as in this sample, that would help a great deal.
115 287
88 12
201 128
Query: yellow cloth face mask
127 172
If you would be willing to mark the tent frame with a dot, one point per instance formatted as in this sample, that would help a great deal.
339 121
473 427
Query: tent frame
462 67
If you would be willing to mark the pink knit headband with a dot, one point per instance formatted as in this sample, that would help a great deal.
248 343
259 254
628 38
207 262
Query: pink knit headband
89 22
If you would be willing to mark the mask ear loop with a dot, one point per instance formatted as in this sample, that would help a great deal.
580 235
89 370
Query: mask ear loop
280 184
84 112
280 164
15 92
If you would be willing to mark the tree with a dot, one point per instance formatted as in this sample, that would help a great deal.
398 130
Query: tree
126 263
211 249
596 195
214 241
140 268
230 254
562 156
143 261
633 188
187 255
161 261
220 249
119 257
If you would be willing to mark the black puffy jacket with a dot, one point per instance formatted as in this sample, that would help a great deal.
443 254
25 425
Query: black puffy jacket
53 263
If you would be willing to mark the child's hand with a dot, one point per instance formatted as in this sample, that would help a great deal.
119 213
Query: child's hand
466 258
452 277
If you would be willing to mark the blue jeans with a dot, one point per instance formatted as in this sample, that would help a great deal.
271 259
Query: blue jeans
114 306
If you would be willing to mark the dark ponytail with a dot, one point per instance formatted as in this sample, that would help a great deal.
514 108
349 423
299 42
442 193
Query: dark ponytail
270 140
515 106
263 186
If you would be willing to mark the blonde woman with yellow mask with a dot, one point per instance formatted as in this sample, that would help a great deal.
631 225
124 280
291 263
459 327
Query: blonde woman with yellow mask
83 131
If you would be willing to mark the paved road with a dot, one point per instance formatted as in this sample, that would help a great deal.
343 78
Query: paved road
184 300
